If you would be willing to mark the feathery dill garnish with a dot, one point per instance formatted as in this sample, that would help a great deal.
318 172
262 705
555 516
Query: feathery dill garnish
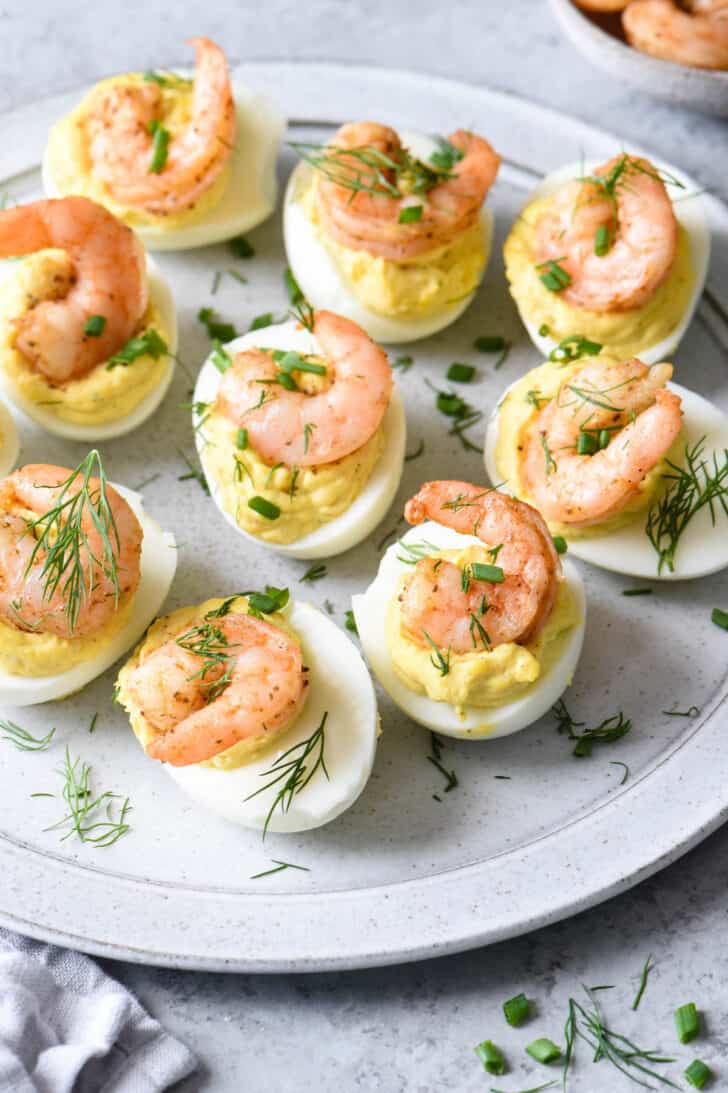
266 603
693 486
595 397
414 552
420 450
308 428
535 398
589 1025
279 866
68 561
625 768
477 630
22 739
435 757
607 732
192 472
692 711
437 660
464 500
463 414
551 464
304 313
89 815
216 328
166 79
402 364
212 647
291 768
314 572
446 156
366 169
292 287
646 969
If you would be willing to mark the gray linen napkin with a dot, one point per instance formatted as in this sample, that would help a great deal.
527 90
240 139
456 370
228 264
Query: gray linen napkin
67 1027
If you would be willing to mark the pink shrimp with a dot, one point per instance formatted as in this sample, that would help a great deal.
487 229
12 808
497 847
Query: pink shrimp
698 37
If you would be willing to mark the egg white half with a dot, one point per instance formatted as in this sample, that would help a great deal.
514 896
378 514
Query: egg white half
161 295
252 189
690 213
9 441
341 686
353 525
322 284
158 565
370 611
703 548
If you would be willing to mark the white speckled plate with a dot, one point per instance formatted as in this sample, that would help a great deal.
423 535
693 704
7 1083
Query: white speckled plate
530 834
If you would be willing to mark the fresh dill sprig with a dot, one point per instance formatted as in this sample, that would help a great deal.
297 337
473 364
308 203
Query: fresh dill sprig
22 739
314 572
193 472
366 169
212 647
435 757
693 486
295 768
89 816
69 562
463 414
646 969
279 866
415 552
438 660
607 732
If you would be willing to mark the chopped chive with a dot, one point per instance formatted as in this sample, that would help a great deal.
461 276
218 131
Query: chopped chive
446 156
587 444
560 544
241 441
573 347
544 1050
160 145
294 362
295 295
602 241
402 364
287 381
517 1010
491 1057
490 343
150 343
555 278
411 214
449 403
544 330
314 573
636 591
483 572
220 357
240 247
687 1022
264 507
698 1073
95 325
460 373
260 321
646 969
216 328
265 603
604 437
350 622
719 617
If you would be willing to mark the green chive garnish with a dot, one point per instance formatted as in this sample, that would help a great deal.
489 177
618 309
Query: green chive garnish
544 1050
150 343
240 247
216 328
449 403
517 1010
287 381
264 507
698 1074
560 544
687 1022
220 357
160 144
261 320
555 278
491 1057
411 214
295 295
241 441
573 347
483 572
636 591
460 373
544 330
95 325
488 344
601 241
719 617
604 437
350 622
586 444
294 362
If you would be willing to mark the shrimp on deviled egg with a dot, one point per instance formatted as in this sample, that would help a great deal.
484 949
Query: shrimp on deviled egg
301 433
185 162
473 625
388 228
83 570
243 703
87 328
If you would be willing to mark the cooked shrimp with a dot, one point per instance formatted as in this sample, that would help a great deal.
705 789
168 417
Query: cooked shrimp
698 37
371 221
602 5
120 132
630 403
438 605
26 600
301 429
256 688
641 227
108 278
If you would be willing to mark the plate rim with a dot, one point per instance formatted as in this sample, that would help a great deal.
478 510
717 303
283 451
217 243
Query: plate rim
391 927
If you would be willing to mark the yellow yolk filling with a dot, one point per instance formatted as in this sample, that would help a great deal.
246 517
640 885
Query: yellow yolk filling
417 287
484 677
167 628
71 167
626 333
515 415
101 395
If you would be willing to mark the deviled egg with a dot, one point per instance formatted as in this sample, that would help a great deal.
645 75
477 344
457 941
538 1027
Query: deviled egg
620 461
259 707
88 326
616 253
79 590
472 635
301 433
185 163
389 229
